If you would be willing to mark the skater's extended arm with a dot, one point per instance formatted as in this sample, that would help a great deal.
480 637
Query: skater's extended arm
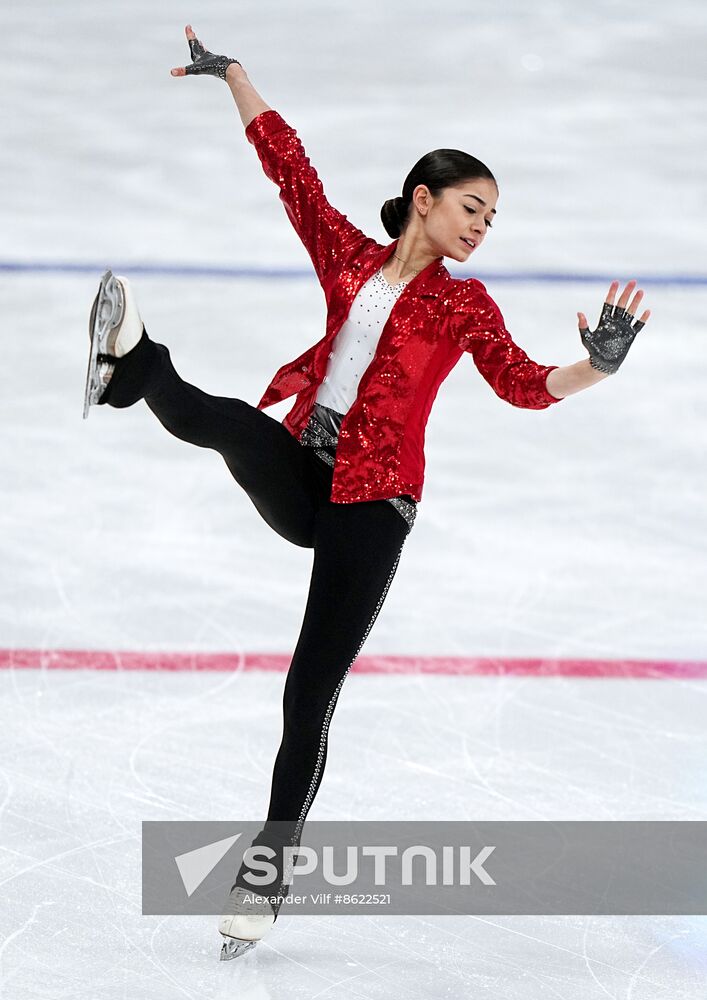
249 102
328 236
478 327
565 381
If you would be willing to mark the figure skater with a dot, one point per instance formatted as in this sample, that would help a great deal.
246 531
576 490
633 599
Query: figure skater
342 474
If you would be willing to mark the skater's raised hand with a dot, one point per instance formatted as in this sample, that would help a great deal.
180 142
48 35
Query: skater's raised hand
609 344
203 61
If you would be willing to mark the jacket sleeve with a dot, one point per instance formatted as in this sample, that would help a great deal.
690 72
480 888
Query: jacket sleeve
327 234
478 327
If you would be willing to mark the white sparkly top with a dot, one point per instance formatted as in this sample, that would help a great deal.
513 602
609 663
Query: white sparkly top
356 342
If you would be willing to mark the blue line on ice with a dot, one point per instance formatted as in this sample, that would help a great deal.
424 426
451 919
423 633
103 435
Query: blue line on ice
208 271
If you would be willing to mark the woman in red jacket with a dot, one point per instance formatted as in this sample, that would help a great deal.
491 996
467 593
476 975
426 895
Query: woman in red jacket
343 472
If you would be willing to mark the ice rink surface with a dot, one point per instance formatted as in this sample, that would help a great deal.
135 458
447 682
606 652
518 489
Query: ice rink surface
576 532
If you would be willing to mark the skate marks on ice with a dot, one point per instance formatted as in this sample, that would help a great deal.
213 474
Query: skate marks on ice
87 756
84 759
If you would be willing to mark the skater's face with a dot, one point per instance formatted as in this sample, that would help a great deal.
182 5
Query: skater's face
457 213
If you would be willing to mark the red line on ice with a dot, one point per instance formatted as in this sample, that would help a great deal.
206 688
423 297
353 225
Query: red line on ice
85 659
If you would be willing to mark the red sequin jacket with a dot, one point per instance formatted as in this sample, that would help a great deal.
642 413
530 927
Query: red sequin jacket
436 319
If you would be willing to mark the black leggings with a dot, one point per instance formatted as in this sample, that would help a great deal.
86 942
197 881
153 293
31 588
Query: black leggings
356 551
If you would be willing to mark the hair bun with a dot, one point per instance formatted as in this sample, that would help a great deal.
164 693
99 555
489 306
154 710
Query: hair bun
393 215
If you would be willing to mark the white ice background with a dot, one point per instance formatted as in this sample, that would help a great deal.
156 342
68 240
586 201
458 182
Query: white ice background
575 532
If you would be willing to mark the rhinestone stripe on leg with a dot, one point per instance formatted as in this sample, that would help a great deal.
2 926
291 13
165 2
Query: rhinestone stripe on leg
332 703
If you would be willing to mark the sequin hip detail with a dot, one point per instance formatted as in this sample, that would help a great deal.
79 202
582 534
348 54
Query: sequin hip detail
321 434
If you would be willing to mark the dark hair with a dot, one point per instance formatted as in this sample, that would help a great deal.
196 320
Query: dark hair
440 169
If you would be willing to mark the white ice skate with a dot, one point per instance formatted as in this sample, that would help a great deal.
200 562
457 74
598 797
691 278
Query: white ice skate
115 328
246 919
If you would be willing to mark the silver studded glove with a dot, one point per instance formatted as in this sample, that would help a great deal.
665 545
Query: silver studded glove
609 344
205 62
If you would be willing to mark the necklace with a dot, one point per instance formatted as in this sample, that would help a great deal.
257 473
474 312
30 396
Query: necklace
405 262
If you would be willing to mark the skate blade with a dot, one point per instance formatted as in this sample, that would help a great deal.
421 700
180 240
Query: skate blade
106 313
234 948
